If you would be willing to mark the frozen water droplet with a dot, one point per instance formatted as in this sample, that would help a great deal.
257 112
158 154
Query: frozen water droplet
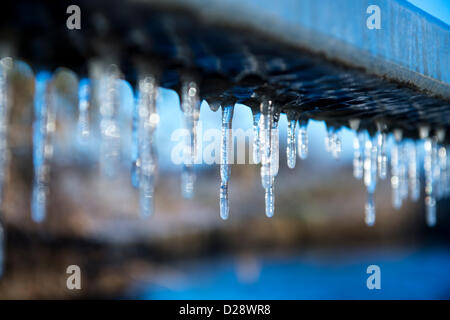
214 106
43 128
225 166
291 149
190 105
256 137
5 98
84 100
148 120
303 138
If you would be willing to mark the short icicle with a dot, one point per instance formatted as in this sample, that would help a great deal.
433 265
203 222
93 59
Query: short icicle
225 154
267 179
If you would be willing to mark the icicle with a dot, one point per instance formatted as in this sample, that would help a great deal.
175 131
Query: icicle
225 166
430 200
5 97
256 137
267 178
336 145
147 123
2 250
413 174
370 178
382 155
291 149
329 139
303 138
269 200
275 146
84 100
369 210
214 106
135 160
265 121
395 175
358 147
108 97
190 105
43 128
443 179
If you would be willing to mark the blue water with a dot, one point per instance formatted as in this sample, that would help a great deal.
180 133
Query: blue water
405 274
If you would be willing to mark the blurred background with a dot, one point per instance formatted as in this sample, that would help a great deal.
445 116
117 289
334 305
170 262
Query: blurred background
316 246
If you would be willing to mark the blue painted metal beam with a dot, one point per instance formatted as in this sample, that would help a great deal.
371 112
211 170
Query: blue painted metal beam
411 46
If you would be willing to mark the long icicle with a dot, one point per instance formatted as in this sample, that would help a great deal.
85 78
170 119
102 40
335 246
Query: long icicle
370 178
108 98
291 148
225 153
413 174
135 159
267 179
147 123
43 128
84 102
6 65
190 105
430 200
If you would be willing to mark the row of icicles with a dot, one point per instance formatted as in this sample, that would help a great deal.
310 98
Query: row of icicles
370 151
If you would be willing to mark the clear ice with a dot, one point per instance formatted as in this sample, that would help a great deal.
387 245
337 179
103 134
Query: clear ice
225 153
303 137
84 101
148 120
358 151
5 98
291 148
108 98
190 106
256 137
370 178
266 122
